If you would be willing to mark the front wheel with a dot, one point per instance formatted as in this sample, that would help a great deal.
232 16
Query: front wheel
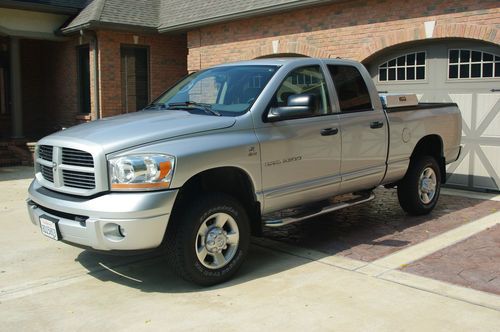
209 239
419 191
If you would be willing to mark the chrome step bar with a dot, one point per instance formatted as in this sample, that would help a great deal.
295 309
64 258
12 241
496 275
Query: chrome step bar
324 210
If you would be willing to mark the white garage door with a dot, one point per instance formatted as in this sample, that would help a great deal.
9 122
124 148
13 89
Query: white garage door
464 72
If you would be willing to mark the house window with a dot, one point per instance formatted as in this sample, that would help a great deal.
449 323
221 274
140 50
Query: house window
464 63
83 79
134 78
408 67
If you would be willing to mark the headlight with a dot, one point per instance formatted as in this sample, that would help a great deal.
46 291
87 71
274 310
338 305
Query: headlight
141 172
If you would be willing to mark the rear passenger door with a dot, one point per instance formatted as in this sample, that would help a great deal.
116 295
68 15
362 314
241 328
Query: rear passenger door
363 131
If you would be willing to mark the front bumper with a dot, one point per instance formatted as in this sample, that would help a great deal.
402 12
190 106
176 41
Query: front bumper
114 221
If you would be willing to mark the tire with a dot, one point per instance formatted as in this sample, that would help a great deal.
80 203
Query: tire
208 240
416 195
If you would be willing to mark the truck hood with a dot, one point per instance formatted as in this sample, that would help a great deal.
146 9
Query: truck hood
125 131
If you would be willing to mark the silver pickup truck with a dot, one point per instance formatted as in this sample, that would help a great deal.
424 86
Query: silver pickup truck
235 148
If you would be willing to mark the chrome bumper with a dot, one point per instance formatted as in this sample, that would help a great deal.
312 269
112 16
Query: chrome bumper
115 221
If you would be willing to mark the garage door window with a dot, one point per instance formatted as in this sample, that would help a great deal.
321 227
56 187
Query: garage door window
465 64
408 67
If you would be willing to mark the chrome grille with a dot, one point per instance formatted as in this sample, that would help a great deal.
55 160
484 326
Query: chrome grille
47 173
77 158
69 170
77 179
45 152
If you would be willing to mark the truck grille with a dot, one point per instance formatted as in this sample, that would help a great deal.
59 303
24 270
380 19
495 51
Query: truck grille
45 152
66 169
79 179
77 158
47 173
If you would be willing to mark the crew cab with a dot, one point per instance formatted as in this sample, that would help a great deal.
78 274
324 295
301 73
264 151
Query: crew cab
232 149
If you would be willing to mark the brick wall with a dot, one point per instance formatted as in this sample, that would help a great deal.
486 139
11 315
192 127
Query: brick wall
351 29
167 56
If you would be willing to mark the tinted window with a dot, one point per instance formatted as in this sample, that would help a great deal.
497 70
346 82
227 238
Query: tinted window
351 88
304 80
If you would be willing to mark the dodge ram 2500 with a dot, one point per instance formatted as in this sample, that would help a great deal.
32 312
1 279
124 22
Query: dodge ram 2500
232 149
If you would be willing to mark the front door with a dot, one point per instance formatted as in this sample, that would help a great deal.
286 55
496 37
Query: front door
135 78
300 160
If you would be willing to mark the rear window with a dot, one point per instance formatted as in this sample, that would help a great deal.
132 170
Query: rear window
351 88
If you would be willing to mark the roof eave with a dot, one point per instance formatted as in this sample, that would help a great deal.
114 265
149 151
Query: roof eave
242 15
93 25
38 7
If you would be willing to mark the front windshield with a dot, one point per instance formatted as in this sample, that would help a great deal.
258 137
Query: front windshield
228 90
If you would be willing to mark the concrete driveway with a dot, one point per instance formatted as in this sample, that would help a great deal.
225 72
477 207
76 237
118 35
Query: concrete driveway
47 285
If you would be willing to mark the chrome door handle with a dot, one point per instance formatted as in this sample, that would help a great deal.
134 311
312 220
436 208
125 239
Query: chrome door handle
329 131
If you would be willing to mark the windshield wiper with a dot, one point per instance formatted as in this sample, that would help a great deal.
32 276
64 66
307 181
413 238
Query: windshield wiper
206 107
160 106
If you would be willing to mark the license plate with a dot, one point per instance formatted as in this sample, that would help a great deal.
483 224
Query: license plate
49 228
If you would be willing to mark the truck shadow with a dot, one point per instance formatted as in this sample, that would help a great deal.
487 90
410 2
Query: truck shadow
150 272
366 233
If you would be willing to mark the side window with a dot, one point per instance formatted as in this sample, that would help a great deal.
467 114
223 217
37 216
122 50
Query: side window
351 88
305 80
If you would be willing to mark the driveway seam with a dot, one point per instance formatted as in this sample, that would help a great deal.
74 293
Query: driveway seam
455 292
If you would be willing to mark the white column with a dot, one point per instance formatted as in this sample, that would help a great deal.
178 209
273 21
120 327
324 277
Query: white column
15 84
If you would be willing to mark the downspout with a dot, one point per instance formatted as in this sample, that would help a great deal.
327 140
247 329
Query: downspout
95 44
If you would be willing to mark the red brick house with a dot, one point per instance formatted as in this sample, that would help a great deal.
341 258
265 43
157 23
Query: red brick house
63 62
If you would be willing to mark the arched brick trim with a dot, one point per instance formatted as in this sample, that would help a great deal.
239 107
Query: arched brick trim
441 30
297 47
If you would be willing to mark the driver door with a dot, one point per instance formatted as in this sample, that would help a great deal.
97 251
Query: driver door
300 157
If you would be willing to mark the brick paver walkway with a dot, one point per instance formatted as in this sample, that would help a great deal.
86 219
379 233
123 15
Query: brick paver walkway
473 263
373 230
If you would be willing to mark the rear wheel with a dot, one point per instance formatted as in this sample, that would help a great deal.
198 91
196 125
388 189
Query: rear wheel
419 191
209 239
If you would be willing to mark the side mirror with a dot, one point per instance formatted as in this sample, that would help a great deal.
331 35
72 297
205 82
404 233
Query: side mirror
298 106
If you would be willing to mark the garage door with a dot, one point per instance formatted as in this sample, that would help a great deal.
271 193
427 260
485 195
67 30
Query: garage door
464 72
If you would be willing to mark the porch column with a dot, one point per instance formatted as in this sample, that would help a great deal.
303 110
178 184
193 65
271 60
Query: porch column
15 90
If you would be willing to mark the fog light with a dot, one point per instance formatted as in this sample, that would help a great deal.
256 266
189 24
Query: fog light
113 232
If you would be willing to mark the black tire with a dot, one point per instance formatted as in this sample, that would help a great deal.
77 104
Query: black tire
182 239
409 196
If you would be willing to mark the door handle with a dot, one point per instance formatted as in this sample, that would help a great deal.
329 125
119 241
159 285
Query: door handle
376 124
329 131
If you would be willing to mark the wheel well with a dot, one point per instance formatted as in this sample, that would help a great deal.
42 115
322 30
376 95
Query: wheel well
229 180
431 145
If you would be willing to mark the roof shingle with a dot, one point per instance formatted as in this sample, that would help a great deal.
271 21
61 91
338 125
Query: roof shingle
168 15
140 13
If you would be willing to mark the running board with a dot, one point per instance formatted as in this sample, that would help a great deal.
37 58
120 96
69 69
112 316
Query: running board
324 210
